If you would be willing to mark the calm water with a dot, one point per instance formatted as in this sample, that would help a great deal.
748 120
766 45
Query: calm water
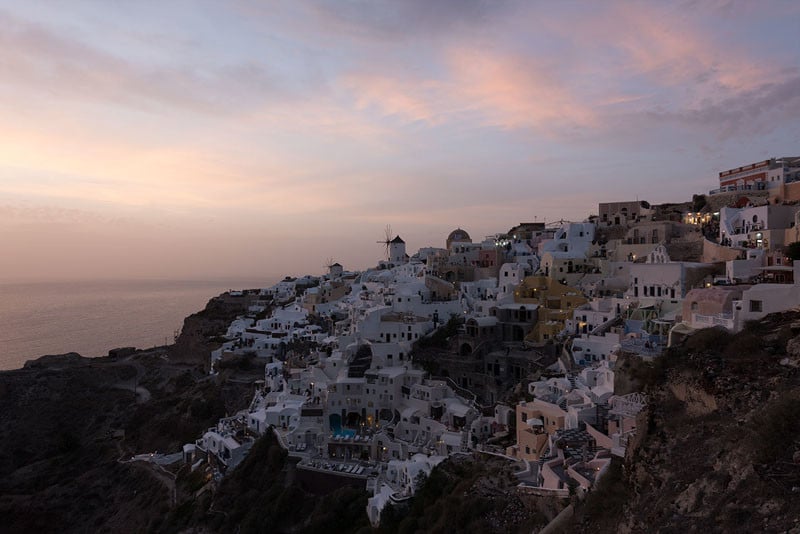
92 317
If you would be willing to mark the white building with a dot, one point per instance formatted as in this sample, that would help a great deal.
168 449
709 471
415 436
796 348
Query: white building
742 226
763 299
572 239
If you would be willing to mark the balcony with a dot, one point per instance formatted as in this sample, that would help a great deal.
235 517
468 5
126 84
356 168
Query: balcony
707 321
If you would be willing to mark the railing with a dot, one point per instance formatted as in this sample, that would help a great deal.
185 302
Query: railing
706 321
466 394
606 326
753 186
643 347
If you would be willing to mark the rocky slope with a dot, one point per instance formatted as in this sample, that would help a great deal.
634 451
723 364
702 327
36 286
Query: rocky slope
472 493
67 424
719 449
264 495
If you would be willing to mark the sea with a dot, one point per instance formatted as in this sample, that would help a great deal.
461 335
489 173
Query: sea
91 317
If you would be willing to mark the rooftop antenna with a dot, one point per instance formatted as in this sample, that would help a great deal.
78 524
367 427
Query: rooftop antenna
387 239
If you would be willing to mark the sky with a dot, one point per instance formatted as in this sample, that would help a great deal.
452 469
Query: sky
206 139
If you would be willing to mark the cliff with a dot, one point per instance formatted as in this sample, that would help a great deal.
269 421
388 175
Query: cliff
202 331
264 494
68 424
719 448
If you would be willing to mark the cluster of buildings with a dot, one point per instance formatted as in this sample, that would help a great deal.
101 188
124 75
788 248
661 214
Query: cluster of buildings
551 307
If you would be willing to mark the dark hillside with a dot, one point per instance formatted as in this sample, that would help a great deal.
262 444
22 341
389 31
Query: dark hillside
263 495
68 424
720 450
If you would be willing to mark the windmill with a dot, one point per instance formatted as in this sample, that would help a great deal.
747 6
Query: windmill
328 264
388 239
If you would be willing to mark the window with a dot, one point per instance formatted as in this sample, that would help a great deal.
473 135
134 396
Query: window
756 306
694 306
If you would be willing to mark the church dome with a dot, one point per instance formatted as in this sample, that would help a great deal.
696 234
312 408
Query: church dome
458 236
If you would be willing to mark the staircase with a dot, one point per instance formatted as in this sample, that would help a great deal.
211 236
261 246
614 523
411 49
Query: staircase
360 362
572 380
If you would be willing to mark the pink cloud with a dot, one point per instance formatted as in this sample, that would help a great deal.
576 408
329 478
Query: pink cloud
489 88
670 50
415 100
511 91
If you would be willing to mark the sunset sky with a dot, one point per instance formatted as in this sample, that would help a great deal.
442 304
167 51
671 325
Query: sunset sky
192 139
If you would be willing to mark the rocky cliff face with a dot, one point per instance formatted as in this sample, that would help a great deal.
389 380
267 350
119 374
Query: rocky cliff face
718 450
67 425
720 444
202 330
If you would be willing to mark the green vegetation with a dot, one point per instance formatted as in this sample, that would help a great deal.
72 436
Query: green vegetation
698 202
792 250
243 362
426 349
441 336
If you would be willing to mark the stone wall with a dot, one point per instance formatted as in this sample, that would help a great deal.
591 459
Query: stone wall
713 252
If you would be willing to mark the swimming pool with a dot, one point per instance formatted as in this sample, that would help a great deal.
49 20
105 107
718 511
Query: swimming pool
336 427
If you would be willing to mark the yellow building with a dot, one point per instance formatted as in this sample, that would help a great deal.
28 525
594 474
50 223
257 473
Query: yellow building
327 292
556 303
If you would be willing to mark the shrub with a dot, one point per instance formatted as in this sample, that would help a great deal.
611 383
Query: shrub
792 250
708 340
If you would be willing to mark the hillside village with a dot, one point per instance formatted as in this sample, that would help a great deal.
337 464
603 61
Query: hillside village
506 345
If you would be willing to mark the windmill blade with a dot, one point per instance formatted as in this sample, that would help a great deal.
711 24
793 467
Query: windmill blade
387 239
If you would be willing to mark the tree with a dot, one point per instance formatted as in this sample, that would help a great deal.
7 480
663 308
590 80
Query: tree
698 202
792 250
